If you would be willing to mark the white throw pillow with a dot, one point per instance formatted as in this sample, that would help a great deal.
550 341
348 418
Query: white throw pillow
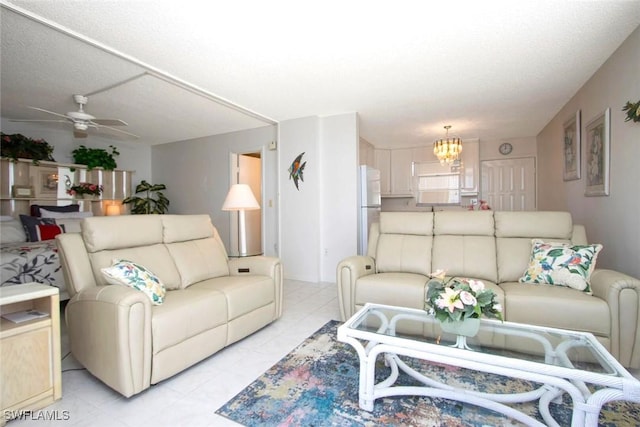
50 214
128 273
12 231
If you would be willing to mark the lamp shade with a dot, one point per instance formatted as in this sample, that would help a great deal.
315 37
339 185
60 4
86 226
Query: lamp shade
113 210
239 198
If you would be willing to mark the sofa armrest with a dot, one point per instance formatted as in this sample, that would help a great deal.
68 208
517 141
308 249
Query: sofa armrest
264 266
622 294
110 335
348 272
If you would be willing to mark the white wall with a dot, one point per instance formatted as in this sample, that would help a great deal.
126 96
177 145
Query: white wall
338 191
522 147
197 175
322 214
133 156
611 220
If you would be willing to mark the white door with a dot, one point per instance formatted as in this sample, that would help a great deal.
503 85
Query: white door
509 184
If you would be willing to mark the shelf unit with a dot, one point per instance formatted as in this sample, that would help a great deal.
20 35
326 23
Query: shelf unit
30 362
47 182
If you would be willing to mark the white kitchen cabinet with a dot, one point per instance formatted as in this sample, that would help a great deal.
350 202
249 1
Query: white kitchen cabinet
402 172
382 162
470 167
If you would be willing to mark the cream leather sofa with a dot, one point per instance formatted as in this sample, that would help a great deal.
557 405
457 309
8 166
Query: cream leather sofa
495 247
211 301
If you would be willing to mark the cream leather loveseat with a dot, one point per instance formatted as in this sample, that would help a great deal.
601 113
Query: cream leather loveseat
495 247
211 301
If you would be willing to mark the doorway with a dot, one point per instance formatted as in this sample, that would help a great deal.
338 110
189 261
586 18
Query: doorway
246 168
509 184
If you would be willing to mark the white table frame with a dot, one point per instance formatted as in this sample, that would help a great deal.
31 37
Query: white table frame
557 378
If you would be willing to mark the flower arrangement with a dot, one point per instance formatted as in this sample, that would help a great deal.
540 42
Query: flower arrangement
457 299
483 205
85 188
18 146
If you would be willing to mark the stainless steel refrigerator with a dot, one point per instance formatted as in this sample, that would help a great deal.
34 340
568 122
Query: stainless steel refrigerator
370 204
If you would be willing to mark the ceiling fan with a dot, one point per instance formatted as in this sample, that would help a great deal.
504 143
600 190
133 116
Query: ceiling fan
82 121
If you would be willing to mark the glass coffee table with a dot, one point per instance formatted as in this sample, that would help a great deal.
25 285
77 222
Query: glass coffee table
560 361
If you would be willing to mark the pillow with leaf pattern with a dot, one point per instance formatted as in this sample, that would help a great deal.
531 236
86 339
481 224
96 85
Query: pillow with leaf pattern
128 273
561 264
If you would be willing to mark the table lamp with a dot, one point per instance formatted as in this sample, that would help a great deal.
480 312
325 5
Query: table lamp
240 198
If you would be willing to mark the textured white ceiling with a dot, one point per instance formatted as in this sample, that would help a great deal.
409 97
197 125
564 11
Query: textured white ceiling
492 69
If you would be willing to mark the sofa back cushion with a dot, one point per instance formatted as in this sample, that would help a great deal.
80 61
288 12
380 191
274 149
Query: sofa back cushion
156 258
404 242
464 244
198 260
117 232
514 233
196 248
181 228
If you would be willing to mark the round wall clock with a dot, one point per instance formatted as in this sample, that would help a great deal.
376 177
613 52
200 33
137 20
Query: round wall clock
506 148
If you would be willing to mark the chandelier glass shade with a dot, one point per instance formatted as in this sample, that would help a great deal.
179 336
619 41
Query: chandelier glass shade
447 149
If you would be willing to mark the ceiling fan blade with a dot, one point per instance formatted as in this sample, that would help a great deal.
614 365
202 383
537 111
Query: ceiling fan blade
38 120
79 133
97 126
49 112
110 122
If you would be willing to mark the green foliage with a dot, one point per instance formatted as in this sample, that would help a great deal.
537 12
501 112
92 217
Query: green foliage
18 146
633 111
95 157
151 204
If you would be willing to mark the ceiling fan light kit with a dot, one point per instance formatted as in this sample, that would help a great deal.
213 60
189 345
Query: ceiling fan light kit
81 120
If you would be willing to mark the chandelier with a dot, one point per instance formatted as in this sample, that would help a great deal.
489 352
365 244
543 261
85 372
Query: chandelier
447 149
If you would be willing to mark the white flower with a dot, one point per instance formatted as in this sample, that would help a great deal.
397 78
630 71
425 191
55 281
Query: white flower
438 274
497 307
476 285
467 298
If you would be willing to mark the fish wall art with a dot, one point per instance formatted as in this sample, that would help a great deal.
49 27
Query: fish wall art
296 169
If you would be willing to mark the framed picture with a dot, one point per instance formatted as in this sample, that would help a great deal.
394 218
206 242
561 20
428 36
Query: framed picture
597 133
22 191
48 182
571 148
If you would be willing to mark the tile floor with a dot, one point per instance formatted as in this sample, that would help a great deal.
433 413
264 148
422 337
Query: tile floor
192 397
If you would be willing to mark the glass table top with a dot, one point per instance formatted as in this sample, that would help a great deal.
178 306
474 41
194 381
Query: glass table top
529 344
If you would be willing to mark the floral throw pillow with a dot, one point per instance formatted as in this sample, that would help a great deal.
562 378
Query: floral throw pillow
561 264
128 273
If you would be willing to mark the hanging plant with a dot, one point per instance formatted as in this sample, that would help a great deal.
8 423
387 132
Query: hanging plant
18 146
95 157
633 111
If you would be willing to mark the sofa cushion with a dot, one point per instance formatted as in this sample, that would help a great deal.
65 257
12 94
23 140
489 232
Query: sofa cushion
243 294
186 313
464 244
123 231
404 243
556 307
514 232
467 223
154 257
30 225
198 260
466 256
561 264
127 273
399 289
539 224
180 228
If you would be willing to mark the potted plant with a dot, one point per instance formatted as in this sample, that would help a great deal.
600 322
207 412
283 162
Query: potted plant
18 146
95 157
154 202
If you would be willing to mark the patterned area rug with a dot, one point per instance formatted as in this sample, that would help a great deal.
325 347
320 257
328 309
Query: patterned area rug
317 385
